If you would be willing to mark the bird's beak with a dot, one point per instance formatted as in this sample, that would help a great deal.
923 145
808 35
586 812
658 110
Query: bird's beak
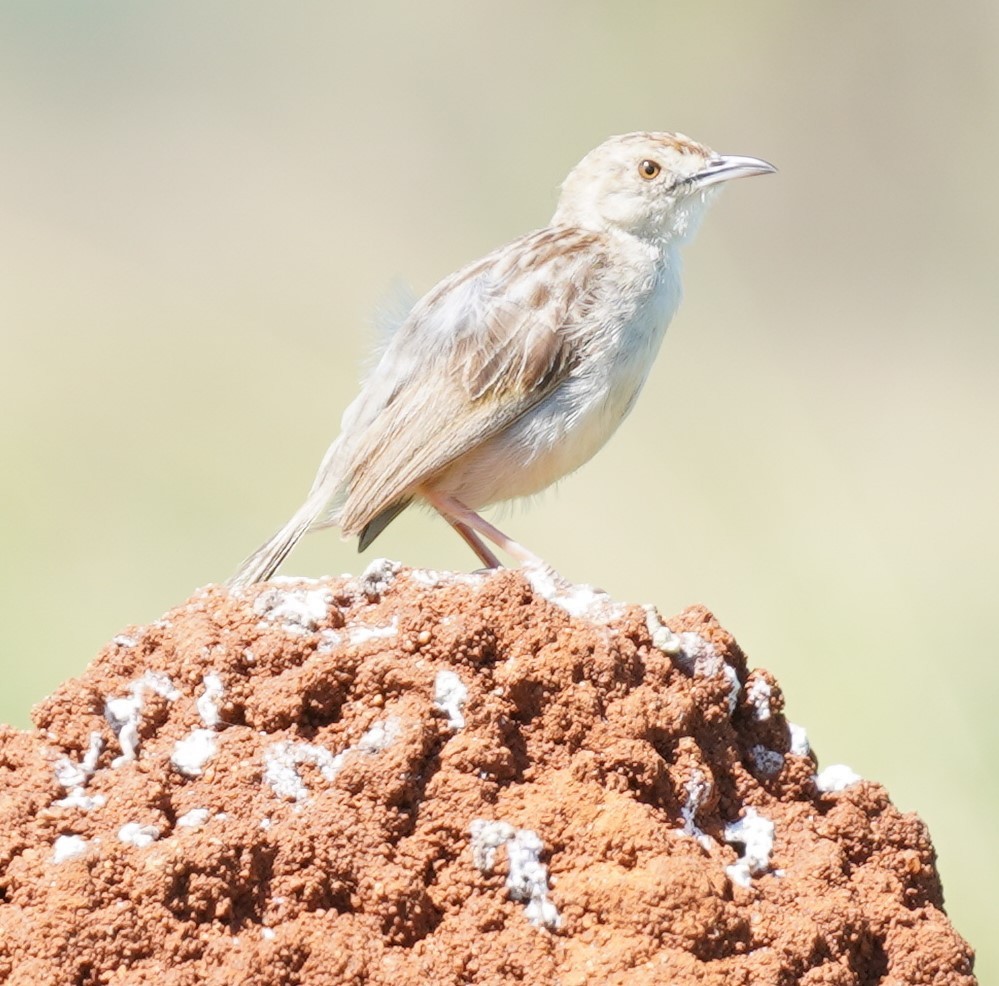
722 167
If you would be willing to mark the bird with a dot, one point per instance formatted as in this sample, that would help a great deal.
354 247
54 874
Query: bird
516 369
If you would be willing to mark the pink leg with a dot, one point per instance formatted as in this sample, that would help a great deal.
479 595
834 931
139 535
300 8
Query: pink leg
458 514
475 543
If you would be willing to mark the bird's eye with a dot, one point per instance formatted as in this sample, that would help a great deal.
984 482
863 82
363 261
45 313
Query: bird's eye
649 169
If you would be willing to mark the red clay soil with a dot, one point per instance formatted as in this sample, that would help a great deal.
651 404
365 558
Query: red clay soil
408 778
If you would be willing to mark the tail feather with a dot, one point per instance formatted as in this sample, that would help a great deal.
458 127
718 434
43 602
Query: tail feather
263 563
315 512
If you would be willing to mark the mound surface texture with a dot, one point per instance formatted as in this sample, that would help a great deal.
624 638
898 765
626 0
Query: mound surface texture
413 778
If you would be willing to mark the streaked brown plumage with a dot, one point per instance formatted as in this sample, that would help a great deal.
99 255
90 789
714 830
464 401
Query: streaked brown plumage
514 370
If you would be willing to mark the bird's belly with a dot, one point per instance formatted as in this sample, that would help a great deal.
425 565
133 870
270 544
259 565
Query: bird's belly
557 436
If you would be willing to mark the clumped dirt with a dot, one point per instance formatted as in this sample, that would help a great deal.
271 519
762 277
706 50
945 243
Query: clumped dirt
411 778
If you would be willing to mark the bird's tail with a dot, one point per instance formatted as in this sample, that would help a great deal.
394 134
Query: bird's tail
263 563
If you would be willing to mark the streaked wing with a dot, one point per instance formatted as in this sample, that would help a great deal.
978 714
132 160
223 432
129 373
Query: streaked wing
487 344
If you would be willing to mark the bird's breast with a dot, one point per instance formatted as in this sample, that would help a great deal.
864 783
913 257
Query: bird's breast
557 436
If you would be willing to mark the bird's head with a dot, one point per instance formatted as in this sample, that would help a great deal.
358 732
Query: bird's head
653 185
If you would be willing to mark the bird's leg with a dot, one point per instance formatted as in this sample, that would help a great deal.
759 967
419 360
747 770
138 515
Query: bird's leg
475 543
458 515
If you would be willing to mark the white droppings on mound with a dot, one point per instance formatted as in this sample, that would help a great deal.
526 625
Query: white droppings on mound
72 775
527 877
124 713
836 777
379 737
358 634
68 847
450 695
283 759
207 702
136 834
298 610
759 694
78 798
755 833
191 753
378 576
798 740
582 601
698 789
194 818
699 657
281 763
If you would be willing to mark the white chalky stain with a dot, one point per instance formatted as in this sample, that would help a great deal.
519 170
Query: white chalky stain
359 634
78 798
758 694
73 776
798 740
191 753
194 818
450 695
755 833
836 777
298 610
698 656
698 789
123 713
282 759
68 847
207 703
577 600
136 834
527 879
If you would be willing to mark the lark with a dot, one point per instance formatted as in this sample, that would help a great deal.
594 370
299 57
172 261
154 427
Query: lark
516 369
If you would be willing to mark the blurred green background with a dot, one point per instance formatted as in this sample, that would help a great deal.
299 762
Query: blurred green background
203 204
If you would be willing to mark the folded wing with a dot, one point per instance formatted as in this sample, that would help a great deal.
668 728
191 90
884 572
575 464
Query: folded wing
480 350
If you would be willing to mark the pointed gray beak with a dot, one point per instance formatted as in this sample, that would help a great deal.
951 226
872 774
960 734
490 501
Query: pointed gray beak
722 167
